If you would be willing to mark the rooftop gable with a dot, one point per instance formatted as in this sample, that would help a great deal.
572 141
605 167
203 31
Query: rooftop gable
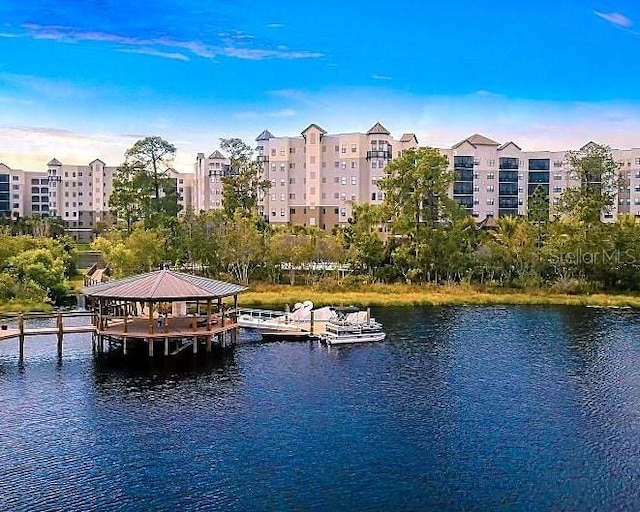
409 137
216 155
378 129
477 140
54 162
265 135
311 126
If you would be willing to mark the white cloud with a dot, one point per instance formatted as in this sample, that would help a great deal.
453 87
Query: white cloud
376 76
275 25
615 18
233 44
156 53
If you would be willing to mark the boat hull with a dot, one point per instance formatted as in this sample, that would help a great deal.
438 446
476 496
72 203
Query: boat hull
355 338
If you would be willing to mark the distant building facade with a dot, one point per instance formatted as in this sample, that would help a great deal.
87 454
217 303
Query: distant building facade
316 178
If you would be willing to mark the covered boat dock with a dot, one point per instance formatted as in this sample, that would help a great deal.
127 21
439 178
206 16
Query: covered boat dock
164 310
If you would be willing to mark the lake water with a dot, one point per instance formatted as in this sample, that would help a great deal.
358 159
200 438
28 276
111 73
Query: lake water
461 408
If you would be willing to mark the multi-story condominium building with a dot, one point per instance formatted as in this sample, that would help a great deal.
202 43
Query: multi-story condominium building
317 177
23 194
207 181
77 194
493 179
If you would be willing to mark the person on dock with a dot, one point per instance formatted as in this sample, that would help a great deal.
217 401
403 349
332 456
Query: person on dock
160 322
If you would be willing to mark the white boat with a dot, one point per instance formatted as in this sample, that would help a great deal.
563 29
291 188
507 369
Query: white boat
349 326
340 332
267 320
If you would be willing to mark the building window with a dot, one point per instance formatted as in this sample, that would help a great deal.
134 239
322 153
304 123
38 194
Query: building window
557 190
292 196
336 196
282 214
344 165
353 180
343 180
292 151
354 165
490 201
557 177
336 164
490 188
354 148
490 176
292 181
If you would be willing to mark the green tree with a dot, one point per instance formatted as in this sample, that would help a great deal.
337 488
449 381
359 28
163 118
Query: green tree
243 184
150 160
416 187
362 238
597 179
241 246
132 191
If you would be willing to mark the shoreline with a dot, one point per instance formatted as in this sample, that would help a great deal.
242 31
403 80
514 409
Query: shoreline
403 295
381 295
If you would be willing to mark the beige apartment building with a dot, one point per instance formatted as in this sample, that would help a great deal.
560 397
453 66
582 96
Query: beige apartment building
77 194
317 177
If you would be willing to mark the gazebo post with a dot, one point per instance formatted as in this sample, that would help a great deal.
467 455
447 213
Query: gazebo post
150 306
126 315
208 314
221 311
166 346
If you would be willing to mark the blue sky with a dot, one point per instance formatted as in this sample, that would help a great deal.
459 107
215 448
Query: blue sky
82 80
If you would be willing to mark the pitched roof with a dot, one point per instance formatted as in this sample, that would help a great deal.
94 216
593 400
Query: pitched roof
54 161
216 155
507 144
477 140
96 160
163 285
378 129
489 222
409 137
313 125
265 135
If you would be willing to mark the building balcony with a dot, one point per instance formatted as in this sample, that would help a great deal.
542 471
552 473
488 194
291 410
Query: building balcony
379 153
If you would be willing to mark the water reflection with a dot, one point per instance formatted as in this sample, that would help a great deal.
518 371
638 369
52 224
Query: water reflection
460 408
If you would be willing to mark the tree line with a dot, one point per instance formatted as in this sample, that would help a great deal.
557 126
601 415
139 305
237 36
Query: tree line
417 235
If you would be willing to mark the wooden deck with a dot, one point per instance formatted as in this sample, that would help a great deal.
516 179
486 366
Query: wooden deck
43 331
174 333
175 328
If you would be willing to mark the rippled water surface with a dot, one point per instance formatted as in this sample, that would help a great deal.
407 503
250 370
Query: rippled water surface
459 409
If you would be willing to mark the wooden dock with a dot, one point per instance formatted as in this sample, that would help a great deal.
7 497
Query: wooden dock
115 332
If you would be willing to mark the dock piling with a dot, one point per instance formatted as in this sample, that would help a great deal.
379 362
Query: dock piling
60 333
21 335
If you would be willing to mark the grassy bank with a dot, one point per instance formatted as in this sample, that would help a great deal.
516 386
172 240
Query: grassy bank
404 295
25 307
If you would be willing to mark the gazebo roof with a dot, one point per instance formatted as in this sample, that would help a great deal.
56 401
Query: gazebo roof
163 285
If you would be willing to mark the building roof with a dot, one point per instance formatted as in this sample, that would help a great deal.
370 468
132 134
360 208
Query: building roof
313 125
216 155
507 144
409 137
265 135
378 129
54 161
163 285
489 222
477 140
96 160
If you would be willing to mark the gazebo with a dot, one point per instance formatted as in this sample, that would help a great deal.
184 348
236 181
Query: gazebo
173 308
